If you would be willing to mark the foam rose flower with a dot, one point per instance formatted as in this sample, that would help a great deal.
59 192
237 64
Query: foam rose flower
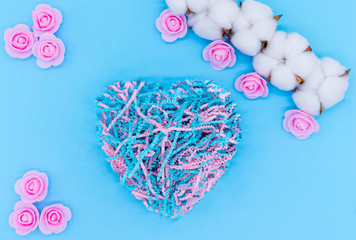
54 218
46 19
32 187
220 55
19 41
171 26
49 51
25 218
300 124
252 85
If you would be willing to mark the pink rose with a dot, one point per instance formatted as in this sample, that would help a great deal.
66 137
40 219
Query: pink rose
49 51
54 218
171 26
19 41
24 218
220 55
300 124
32 187
252 85
46 19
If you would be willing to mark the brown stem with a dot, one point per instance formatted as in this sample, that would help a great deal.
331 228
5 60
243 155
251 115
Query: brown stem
299 80
240 4
277 18
227 32
295 90
309 49
346 74
269 78
322 109
224 32
188 11
263 46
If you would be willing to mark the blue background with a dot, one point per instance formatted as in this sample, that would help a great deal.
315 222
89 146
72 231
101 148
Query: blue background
277 187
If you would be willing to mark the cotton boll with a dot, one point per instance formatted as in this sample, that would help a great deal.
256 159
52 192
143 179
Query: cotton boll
274 48
246 42
178 7
315 79
303 64
206 28
224 13
265 29
255 11
332 68
283 78
307 101
332 91
197 6
264 64
294 44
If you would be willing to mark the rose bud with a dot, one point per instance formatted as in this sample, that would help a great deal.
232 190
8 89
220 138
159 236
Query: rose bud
24 218
252 85
300 124
46 19
32 187
19 41
49 51
220 55
171 26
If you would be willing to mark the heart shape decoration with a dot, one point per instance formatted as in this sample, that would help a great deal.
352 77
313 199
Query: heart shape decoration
168 147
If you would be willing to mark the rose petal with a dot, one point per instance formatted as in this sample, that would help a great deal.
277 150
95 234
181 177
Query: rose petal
58 61
43 64
168 37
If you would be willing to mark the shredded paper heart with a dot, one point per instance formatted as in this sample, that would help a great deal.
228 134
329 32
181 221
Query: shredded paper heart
168 147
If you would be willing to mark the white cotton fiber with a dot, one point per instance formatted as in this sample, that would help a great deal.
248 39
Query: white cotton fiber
274 48
177 6
212 2
307 101
197 6
332 91
224 13
240 24
255 11
246 42
264 64
332 68
315 79
302 64
294 44
283 78
265 29
206 28
194 18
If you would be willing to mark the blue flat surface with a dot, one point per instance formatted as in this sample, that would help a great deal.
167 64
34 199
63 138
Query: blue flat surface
277 188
